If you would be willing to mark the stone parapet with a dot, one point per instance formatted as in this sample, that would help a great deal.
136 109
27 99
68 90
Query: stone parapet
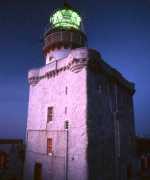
78 56
75 62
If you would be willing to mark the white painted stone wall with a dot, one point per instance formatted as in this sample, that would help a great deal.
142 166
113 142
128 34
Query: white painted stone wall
69 106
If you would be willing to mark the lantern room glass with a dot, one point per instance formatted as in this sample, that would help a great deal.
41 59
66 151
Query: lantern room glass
65 18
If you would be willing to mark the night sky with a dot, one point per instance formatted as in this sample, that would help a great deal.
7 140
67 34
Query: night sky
118 29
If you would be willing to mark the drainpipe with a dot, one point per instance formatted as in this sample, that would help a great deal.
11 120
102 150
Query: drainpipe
67 148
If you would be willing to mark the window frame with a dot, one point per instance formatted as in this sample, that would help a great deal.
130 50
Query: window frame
50 114
49 146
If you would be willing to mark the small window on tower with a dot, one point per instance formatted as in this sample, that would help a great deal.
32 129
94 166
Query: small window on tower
50 58
49 114
99 88
49 146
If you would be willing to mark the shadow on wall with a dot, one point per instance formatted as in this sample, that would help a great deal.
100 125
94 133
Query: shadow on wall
96 113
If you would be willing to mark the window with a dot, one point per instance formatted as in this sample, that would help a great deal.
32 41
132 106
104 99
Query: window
66 90
49 114
3 160
65 110
99 88
145 162
50 58
49 146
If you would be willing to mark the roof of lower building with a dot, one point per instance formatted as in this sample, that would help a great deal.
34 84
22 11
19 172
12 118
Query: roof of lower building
11 141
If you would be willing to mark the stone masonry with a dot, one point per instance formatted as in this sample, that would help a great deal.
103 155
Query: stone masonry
96 100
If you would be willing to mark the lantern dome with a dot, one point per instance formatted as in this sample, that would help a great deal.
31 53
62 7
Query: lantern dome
66 19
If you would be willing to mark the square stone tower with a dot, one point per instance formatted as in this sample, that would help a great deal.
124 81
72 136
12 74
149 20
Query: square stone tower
80 117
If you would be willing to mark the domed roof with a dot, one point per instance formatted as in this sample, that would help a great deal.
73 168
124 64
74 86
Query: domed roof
66 18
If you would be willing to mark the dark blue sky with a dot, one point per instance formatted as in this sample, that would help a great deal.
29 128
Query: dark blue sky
118 29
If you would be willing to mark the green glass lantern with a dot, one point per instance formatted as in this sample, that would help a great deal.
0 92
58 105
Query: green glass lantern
66 19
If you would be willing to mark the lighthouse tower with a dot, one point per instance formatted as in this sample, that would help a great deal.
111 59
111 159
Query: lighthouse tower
80 122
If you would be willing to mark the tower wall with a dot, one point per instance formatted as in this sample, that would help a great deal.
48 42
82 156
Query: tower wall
100 128
110 122
97 102
66 92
